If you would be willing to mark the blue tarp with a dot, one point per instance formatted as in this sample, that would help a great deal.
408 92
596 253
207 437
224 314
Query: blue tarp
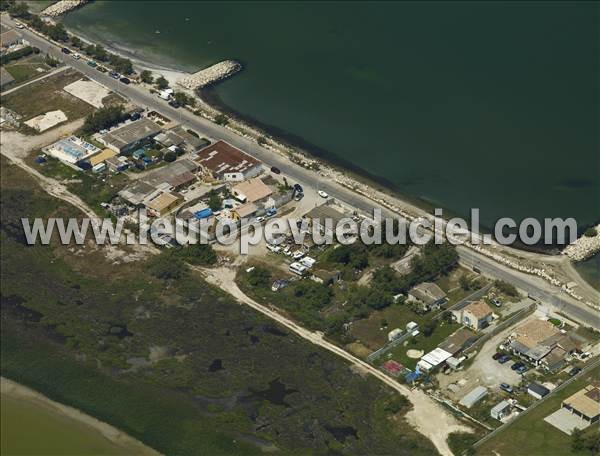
204 213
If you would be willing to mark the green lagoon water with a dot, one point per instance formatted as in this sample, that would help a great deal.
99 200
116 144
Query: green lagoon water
32 429
474 104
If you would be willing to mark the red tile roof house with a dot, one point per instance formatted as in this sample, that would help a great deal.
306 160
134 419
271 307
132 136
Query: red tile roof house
225 162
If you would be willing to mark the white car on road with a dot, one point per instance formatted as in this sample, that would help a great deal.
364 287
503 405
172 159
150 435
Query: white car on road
323 194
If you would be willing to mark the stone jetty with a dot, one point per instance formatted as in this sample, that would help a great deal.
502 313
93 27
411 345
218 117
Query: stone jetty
584 247
62 7
211 75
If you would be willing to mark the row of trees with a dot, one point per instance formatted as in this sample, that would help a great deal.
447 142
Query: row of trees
57 32
104 118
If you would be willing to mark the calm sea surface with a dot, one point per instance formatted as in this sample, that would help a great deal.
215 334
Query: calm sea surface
488 105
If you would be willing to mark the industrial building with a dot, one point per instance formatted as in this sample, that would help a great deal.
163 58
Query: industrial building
225 162
130 136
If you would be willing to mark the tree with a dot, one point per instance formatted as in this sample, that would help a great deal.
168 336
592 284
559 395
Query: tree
221 119
215 201
464 282
199 254
75 41
259 277
169 156
261 140
103 118
161 83
506 288
146 76
51 61
58 32
183 99
167 266
6 5
590 232
120 64
19 10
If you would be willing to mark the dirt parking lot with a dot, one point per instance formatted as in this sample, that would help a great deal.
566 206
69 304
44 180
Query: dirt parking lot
484 371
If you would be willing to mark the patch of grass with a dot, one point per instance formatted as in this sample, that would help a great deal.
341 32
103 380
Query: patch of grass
90 187
22 72
461 443
47 95
530 434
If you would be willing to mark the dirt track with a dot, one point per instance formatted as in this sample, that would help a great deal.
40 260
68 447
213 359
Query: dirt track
427 416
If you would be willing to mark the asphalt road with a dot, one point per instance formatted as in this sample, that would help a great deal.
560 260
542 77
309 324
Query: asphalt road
547 293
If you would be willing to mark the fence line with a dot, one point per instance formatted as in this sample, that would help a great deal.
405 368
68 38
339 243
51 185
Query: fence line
487 437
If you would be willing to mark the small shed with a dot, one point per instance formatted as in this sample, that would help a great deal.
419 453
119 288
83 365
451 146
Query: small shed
538 391
470 399
501 410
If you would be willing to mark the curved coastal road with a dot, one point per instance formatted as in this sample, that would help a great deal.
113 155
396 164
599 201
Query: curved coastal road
533 285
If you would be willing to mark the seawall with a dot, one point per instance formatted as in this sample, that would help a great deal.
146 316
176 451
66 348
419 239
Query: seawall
210 75
62 7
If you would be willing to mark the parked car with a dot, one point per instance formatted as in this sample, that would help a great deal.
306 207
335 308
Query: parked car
517 365
65 50
503 359
522 369
125 80
260 219
298 188
506 387
20 26
92 63
573 372
101 69
496 302
298 196
275 170
76 56
114 75
323 194
496 355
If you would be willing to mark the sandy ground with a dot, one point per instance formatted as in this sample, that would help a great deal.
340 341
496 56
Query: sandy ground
16 146
484 371
46 121
111 433
88 91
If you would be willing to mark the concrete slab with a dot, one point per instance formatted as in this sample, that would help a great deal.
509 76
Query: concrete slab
566 421
88 91
46 121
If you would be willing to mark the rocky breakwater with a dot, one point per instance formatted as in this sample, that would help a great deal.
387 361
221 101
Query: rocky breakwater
210 75
62 7
584 247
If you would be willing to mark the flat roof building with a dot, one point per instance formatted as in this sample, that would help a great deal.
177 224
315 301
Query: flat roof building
225 162
131 135
251 191
102 156
163 203
538 391
474 396
71 150
585 403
